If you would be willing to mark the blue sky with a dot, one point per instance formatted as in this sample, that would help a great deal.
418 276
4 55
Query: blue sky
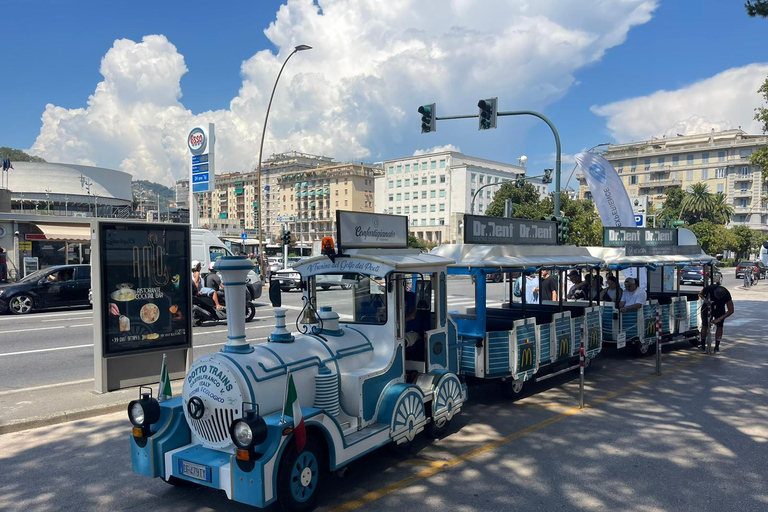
596 69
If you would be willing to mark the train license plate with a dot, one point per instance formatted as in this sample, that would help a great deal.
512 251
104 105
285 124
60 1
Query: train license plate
196 471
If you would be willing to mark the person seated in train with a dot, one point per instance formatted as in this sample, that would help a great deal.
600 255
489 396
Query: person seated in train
414 329
633 297
612 293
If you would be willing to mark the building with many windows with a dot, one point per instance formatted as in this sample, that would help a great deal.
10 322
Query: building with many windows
231 209
719 159
309 198
435 190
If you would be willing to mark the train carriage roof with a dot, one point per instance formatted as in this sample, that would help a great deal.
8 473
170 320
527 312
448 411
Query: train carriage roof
516 256
618 256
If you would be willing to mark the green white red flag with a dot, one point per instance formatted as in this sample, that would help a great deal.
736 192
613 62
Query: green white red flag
164 390
293 409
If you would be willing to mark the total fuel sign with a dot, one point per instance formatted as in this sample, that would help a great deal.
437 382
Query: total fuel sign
200 141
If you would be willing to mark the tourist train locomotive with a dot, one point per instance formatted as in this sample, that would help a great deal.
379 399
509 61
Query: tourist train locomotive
375 364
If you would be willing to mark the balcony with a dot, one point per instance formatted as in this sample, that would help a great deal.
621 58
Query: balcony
741 193
661 183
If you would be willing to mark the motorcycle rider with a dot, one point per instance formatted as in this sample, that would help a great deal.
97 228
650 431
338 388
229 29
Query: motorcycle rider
199 288
213 281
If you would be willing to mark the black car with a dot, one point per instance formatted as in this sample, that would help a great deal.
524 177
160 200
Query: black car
695 274
52 287
758 269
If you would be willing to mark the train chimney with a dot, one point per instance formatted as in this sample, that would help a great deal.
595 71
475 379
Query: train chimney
234 270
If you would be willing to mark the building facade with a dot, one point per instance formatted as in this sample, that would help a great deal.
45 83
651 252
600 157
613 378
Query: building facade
309 199
435 190
719 159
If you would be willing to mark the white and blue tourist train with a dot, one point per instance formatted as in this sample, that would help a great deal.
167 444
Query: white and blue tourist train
372 364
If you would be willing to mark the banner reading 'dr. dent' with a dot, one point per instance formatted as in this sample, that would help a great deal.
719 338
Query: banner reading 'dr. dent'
501 230
622 237
372 230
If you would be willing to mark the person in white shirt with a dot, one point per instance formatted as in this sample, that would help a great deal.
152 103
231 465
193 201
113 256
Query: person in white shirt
633 297
532 289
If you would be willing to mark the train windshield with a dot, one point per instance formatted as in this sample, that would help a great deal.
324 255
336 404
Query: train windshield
357 298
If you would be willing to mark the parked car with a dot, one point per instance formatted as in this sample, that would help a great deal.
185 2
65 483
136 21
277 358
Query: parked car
52 287
758 269
344 281
288 279
494 277
695 274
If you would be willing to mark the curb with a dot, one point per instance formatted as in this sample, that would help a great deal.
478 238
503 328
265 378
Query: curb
62 417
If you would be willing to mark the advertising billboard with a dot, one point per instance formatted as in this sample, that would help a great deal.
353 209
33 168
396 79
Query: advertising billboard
145 287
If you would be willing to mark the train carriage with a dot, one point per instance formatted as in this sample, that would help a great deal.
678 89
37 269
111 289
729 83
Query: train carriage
659 274
520 341
370 365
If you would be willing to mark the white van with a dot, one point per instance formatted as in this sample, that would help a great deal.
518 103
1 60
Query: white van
206 247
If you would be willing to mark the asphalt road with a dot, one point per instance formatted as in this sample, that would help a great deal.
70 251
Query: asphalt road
693 439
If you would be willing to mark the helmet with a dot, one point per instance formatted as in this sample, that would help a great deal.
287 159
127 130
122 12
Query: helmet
211 265
195 264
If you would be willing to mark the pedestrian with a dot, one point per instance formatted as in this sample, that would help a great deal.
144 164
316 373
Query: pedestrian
547 287
532 289
3 265
577 288
720 303
633 297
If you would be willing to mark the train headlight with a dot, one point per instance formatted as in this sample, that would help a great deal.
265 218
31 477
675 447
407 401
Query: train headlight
248 432
242 434
143 412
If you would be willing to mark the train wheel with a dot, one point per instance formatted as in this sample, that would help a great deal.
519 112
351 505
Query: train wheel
408 417
513 388
299 479
641 349
447 401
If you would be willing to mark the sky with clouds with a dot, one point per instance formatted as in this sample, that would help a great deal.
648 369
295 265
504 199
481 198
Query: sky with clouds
100 84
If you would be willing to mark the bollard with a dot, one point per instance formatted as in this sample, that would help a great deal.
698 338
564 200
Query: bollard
658 341
581 369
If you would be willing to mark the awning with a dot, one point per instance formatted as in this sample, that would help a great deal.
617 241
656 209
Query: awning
61 232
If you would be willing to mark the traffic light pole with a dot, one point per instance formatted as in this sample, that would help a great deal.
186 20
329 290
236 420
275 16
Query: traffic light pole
554 132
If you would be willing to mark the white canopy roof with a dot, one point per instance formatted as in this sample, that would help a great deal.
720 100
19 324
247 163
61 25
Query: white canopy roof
516 256
617 256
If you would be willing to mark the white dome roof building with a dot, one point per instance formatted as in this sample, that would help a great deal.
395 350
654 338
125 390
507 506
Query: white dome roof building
68 189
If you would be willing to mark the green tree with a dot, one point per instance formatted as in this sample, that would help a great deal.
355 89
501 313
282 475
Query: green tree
760 157
713 238
742 241
672 204
417 243
697 204
525 200
17 155
722 210
757 8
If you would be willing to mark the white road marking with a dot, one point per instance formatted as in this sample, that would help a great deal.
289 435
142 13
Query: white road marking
47 386
44 350
35 329
32 317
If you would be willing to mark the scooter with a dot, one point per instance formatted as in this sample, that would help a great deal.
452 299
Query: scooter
204 309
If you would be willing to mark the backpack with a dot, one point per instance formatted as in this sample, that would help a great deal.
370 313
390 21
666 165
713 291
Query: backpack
517 290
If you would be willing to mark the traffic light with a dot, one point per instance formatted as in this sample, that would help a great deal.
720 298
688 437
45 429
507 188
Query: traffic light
676 223
487 113
563 230
428 118
520 181
286 238
547 178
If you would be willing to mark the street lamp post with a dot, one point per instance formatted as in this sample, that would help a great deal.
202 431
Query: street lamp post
472 203
260 233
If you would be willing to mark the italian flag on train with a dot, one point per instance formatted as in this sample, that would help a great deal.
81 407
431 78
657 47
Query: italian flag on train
293 409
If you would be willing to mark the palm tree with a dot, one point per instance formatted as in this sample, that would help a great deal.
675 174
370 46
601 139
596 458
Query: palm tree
722 210
697 203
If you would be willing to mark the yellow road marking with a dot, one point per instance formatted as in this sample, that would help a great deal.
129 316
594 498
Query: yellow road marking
440 466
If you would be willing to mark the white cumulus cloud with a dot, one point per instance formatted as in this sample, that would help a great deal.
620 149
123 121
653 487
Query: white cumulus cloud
354 95
726 100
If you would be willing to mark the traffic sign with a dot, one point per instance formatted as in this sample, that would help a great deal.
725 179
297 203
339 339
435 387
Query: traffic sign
244 236
640 221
